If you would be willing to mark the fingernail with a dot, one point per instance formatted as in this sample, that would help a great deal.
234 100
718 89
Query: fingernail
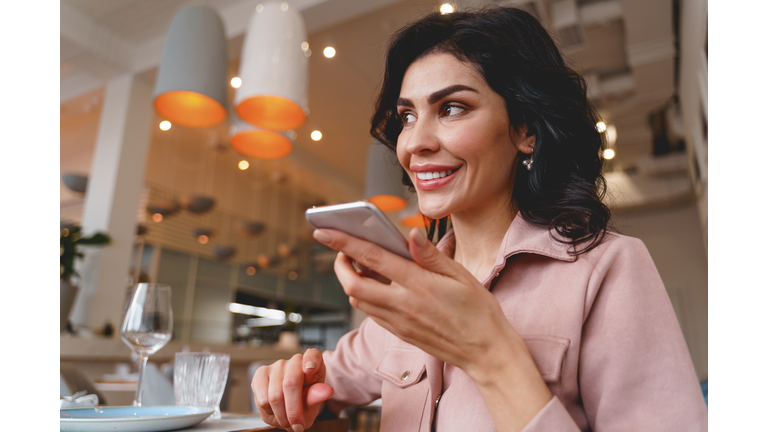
419 238
322 236
311 364
297 428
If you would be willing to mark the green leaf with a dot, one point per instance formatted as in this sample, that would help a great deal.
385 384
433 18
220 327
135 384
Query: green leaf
96 239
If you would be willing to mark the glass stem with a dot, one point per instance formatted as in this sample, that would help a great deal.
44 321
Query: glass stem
142 365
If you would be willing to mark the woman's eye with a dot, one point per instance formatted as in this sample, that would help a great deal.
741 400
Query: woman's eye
408 118
452 110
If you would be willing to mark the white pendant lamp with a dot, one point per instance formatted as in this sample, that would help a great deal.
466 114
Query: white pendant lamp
273 69
256 142
383 179
192 79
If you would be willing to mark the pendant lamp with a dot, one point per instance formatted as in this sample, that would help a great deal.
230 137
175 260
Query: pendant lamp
273 69
75 182
223 252
411 217
202 232
255 142
198 204
250 228
192 79
383 179
164 207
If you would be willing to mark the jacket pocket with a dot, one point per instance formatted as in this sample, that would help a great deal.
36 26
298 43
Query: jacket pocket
402 367
548 353
404 390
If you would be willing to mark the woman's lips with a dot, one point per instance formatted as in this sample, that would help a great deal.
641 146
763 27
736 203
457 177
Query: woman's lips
430 185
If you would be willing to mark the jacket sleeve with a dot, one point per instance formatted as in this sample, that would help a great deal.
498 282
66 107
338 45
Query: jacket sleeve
350 367
635 371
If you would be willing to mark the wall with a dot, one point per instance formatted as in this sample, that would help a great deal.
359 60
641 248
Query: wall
673 238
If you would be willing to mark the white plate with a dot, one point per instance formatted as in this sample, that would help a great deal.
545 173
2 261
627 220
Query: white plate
131 419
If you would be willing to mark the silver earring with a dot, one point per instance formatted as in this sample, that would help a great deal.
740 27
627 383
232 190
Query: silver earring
528 162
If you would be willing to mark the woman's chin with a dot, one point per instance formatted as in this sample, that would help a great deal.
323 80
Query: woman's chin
433 214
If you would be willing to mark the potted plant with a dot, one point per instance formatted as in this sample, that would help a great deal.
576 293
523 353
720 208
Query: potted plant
71 240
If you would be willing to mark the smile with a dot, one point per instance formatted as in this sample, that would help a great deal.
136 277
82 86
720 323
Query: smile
434 174
432 180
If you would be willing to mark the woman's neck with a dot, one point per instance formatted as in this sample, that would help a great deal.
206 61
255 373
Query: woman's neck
479 234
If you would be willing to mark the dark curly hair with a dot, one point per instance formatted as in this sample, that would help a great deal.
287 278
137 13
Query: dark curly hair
519 61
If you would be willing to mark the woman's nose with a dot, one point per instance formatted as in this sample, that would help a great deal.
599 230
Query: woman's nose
422 137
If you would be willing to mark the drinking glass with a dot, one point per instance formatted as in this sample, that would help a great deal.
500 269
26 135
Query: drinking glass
199 380
147 324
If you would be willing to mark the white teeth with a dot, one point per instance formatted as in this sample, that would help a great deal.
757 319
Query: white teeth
432 175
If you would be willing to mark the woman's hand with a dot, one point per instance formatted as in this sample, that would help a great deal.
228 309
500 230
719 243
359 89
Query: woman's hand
290 393
435 304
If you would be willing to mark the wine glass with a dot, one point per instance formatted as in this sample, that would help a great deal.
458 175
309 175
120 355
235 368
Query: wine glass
147 324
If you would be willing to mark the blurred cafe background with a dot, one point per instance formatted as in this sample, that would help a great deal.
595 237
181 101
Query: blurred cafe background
166 150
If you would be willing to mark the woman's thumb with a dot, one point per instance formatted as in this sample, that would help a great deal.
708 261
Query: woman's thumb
427 255
317 393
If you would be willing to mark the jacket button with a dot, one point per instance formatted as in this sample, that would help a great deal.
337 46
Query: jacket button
405 375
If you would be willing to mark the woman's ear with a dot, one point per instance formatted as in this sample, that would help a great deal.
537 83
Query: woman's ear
523 141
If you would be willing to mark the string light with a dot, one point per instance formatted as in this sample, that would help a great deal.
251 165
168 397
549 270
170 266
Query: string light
609 154
446 8
316 135
157 217
329 52
243 164
236 82
600 126
165 125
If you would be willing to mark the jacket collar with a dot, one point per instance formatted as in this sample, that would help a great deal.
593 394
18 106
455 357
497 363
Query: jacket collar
521 237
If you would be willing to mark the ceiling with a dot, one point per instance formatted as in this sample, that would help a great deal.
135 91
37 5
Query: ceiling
625 48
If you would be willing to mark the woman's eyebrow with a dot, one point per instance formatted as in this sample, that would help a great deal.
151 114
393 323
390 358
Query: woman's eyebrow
436 96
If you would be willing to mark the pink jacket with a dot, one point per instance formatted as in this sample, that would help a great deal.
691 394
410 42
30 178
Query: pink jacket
600 328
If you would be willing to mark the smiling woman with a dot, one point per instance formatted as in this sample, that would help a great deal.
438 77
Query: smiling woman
528 314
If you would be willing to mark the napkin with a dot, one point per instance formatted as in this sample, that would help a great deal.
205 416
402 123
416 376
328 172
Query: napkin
78 401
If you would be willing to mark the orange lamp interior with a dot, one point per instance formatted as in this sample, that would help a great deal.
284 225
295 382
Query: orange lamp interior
388 203
190 109
271 112
415 221
262 144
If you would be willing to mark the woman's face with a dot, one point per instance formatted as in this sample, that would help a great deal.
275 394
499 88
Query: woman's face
456 145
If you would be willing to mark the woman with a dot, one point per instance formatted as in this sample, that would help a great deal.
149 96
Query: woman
528 314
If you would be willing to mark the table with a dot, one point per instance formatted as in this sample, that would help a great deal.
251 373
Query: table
238 422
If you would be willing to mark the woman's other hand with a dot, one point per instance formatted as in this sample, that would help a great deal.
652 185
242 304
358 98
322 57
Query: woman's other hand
290 393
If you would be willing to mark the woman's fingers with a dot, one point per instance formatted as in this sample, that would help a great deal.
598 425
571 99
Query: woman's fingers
358 286
289 394
293 384
275 393
313 366
260 387
367 254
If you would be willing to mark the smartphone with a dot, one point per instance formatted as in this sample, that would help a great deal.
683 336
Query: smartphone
363 220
